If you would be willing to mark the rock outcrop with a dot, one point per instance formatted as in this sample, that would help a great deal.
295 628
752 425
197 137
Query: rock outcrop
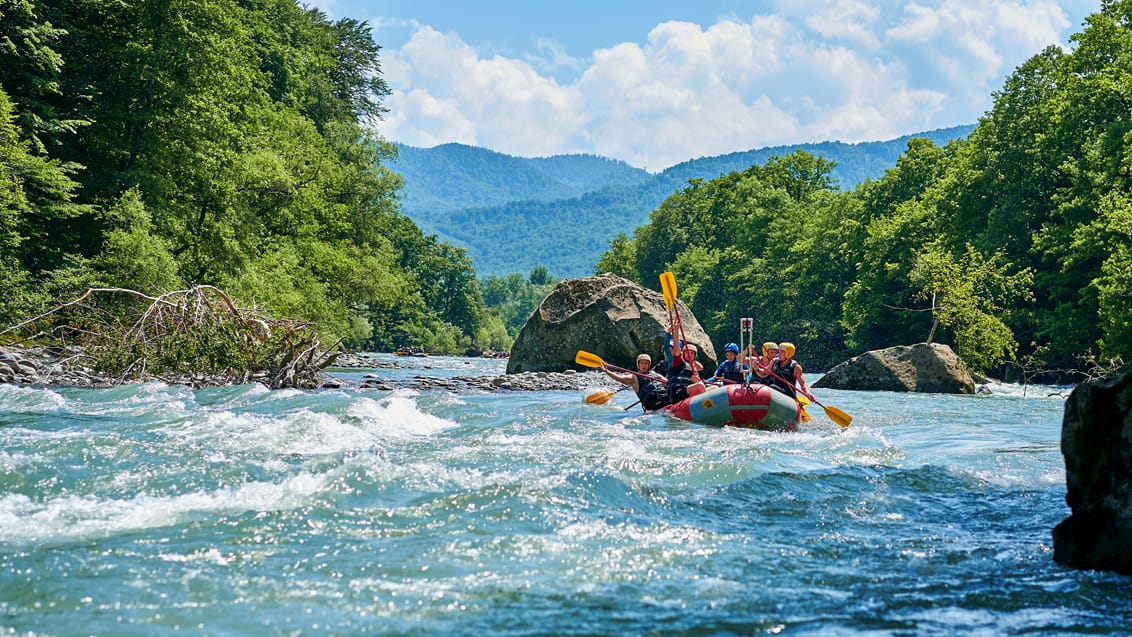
1096 441
606 315
929 368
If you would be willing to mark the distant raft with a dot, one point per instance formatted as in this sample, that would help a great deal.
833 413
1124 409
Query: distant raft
753 406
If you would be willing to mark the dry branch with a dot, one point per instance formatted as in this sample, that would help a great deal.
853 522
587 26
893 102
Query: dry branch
198 335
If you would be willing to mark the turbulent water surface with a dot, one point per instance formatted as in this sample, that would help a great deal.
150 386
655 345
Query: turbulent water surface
154 509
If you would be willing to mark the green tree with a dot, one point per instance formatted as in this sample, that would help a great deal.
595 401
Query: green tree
619 259
539 276
970 295
900 219
35 193
134 255
30 72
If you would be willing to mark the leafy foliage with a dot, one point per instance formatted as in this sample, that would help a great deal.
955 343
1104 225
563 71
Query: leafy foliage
511 299
224 143
1012 243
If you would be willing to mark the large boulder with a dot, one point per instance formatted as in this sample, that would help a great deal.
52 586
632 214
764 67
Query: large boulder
606 315
1096 441
928 368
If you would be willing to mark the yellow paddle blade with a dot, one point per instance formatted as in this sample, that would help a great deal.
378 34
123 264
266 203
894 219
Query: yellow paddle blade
588 359
838 416
802 400
600 398
668 286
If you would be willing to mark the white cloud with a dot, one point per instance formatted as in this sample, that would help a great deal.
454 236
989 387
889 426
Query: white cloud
551 57
846 20
813 70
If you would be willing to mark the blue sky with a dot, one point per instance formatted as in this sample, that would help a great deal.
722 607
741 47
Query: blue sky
657 82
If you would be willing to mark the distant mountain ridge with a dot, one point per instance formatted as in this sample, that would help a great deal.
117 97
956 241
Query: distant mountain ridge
514 213
453 176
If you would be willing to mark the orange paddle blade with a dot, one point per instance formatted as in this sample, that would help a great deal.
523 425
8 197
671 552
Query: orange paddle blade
587 359
836 415
600 398
668 286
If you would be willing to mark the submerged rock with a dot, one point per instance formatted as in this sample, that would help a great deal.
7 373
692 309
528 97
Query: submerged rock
1096 441
606 315
929 368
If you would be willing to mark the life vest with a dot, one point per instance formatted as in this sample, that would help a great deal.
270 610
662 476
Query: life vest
731 370
652 394
786 371
680 376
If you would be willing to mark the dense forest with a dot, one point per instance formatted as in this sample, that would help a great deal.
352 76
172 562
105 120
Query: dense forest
157 144
1014 245
511 213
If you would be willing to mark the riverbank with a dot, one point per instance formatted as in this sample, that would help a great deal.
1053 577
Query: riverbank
71 367
525 381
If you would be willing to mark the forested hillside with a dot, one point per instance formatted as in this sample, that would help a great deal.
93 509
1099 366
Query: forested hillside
511 215
1014 246
157 144
454 176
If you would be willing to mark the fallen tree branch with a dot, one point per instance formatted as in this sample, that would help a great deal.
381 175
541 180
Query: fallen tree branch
198 334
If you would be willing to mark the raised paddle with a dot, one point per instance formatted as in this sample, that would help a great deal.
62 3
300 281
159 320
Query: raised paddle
668 287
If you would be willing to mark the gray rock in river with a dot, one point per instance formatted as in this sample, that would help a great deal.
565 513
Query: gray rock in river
929 368
1096 441
605 315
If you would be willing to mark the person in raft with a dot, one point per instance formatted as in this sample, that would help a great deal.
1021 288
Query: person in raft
650 390
790 369
684 375
762 365
730 370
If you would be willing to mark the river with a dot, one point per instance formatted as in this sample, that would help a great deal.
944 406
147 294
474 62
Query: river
156 509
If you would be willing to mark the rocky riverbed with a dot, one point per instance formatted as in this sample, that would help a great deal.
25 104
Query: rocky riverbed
70 367
525 381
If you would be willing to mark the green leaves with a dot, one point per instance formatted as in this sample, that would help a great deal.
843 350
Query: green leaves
225 146
971 295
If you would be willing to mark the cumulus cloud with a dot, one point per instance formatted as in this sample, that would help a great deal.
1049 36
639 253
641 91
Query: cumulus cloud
810 70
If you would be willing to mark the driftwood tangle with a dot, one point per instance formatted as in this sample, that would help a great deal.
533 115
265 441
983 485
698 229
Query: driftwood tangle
197 336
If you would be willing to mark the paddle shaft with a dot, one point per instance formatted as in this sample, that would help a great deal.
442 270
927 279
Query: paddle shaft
840 417
645 376
792 385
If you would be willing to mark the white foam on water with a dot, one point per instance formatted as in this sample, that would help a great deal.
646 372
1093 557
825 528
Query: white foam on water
1053 392
396 415
18 399
300 432
364 424
75 518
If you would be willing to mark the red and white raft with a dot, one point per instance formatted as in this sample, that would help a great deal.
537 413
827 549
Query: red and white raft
754 406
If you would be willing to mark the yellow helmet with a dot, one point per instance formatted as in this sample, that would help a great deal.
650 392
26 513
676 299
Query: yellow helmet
769 346
787 350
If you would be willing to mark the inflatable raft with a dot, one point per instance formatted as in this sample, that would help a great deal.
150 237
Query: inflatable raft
755 406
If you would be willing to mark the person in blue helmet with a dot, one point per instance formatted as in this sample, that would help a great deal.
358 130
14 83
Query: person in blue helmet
730 370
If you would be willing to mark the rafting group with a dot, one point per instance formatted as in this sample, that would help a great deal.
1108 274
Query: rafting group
763 389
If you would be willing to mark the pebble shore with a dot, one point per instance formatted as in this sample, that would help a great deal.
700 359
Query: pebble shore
69 367
525 381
